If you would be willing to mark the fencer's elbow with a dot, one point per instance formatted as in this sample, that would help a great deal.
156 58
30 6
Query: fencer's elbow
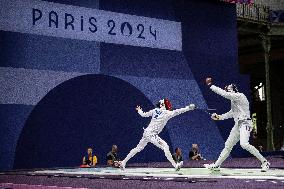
144 115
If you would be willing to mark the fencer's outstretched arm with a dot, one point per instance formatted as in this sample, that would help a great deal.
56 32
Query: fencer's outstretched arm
227 115
144 114
223 93
182 110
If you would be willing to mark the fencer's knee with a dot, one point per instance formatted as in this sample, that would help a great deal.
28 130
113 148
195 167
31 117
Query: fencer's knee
166 148
138 149
244 145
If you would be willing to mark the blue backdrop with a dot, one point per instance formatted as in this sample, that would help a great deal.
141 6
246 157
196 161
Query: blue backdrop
69 94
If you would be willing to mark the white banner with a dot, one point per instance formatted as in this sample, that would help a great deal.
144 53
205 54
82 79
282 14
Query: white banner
59 20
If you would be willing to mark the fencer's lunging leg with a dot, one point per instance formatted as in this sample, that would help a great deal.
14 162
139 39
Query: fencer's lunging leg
156 140
245 130
229 144
141 145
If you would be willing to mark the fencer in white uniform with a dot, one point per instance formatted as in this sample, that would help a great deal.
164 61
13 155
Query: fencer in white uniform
160 117
243 125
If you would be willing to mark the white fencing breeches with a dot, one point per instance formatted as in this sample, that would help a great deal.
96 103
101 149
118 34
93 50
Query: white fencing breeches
240 132
154 139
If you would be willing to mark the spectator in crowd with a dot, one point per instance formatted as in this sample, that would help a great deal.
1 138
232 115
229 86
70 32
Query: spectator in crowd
177 156
89 160
112 157
194 153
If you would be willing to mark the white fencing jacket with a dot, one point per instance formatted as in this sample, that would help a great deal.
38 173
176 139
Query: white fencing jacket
239 104
160 117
